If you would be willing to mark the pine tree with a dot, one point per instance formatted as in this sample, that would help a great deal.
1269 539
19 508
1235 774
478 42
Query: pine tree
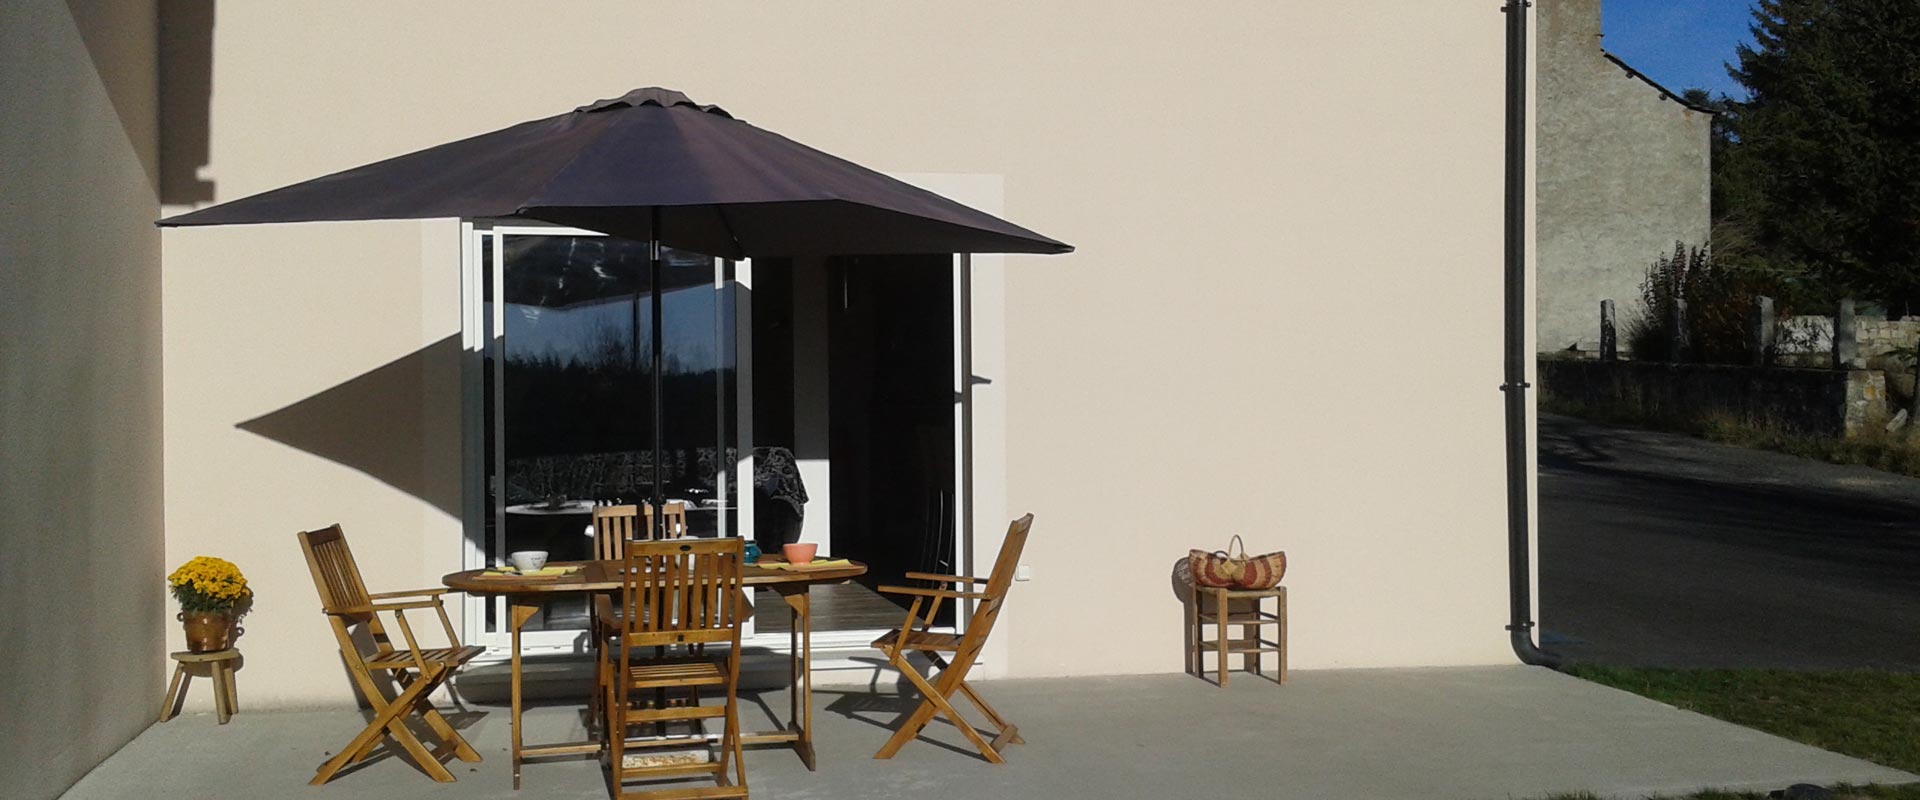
1822 161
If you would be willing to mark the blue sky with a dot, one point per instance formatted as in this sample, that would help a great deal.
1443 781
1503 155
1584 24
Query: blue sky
1680 43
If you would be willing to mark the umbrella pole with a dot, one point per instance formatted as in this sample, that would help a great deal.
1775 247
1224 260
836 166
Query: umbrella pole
659 517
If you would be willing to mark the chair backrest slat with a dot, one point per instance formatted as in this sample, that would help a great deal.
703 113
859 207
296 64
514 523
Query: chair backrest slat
681 590
335 575
675 519
614 526
998 582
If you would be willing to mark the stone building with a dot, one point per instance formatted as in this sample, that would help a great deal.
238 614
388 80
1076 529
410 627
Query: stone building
1621 174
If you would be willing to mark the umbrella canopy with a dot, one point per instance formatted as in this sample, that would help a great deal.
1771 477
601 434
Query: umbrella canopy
649 165
653 166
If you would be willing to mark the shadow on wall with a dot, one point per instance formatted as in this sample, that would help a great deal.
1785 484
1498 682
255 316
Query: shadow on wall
186 91
167 120
398 423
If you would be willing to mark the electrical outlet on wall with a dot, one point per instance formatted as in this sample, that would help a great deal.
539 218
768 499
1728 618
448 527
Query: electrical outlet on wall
1023 573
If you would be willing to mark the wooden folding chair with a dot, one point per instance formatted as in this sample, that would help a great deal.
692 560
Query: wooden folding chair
677 597
415 672
614 526
953 655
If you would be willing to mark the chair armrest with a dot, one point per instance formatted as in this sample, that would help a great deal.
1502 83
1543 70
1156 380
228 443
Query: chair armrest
603 611
435 603
919 592
415 593
938 578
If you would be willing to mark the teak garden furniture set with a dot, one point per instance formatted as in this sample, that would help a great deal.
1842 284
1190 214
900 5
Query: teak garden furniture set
666 621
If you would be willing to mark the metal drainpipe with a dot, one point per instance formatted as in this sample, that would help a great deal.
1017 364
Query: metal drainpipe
1519 542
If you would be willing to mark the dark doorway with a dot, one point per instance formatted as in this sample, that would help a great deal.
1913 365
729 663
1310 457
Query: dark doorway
890 358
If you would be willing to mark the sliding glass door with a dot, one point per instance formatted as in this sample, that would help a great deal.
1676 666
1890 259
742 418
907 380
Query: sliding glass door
557 338
564 324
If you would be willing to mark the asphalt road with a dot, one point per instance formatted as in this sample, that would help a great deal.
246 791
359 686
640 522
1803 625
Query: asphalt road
1660 549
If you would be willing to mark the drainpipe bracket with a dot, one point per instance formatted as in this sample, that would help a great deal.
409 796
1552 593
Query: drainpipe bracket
1520 627
1520 386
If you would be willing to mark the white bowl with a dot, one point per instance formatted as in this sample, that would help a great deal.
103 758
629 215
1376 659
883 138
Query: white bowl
528 560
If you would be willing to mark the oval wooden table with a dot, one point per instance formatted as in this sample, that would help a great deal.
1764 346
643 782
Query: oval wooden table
525 597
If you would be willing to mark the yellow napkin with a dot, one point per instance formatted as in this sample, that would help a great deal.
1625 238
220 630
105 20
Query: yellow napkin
543 572
819 563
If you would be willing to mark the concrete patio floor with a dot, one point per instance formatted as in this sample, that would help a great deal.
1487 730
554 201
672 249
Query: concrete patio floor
1495 732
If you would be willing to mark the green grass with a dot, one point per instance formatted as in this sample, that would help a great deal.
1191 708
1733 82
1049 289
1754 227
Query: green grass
1870 715
1907 792
1898 453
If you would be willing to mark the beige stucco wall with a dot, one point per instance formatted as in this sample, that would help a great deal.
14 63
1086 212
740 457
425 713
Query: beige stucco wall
1623 174
81 641
1243 181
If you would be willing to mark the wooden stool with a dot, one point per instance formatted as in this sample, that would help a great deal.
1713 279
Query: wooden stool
1250 643
219 667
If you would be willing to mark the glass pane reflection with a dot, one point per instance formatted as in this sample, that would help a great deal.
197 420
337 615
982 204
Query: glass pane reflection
576 381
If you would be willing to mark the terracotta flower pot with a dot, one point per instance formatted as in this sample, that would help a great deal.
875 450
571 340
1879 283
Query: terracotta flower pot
207 631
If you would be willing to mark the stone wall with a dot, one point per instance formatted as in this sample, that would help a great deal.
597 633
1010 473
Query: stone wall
1622 174
1880 336
1813 335
1818 402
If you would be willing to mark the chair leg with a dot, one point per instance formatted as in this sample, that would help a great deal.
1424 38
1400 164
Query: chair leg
1251 633
170 706
447 733
390 721
934 700
1192 636
1281 638
594 709
445 730
1007 733
411 743
911 724
1220 633
992 715
219 679
378 702
233 693
614 728
938 695
732 745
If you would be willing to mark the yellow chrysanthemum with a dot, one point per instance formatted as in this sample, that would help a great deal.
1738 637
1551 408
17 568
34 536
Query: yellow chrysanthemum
209 584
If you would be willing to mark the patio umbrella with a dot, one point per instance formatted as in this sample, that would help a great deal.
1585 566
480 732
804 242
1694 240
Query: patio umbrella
651 165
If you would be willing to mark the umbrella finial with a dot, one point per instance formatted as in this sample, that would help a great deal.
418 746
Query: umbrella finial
651 96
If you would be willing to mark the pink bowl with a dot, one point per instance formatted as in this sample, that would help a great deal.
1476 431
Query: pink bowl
799 553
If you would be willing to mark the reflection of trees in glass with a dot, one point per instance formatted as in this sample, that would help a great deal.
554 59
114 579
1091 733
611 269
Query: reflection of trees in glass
564 271
569 406
578 377
609 347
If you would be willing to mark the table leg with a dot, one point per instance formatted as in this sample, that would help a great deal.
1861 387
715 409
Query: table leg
800 605
793 660
518 612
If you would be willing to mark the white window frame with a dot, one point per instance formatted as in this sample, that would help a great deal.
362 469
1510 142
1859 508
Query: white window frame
481 332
